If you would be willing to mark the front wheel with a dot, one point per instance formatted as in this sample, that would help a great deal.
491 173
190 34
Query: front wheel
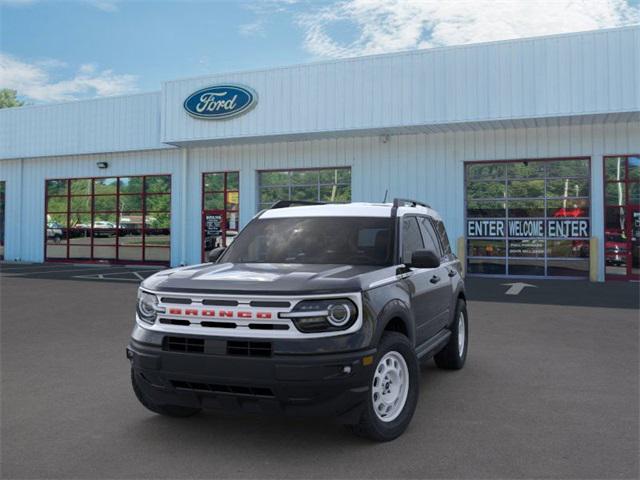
454 354
393 394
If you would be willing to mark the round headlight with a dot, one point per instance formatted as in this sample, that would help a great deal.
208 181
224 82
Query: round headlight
147 306
323 315
339 314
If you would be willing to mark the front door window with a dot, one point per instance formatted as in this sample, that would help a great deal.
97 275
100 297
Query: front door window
622 217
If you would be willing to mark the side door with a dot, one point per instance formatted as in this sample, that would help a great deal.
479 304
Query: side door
419 281
441 278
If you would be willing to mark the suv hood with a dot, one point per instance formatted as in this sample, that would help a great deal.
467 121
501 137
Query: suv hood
266 278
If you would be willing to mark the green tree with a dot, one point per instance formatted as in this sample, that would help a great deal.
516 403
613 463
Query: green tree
8 98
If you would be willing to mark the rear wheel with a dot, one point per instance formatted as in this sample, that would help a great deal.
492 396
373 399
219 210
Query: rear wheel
167 410
454 354
393 395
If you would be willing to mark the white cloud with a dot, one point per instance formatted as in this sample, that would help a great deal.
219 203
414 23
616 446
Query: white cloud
34 80
252 28
104 5
391 25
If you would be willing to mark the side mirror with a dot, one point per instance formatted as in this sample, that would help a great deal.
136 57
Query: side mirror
424 259
215 254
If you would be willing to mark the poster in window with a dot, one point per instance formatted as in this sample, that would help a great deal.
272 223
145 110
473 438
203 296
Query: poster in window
212 231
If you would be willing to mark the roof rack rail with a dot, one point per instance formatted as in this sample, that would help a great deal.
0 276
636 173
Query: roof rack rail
293 203
403 202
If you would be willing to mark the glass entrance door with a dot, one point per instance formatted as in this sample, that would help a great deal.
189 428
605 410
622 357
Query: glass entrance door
220 203
1 220
622 217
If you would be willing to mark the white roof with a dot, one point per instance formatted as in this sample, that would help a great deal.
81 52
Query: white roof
358 209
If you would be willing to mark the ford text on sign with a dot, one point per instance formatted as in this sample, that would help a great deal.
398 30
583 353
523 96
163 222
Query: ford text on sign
220 101
524 228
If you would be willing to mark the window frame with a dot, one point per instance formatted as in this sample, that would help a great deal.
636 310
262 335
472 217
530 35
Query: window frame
3 215
225 211
145 248
289 185
506 178
627 206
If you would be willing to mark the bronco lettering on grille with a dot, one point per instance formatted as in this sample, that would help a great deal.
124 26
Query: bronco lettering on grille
210 313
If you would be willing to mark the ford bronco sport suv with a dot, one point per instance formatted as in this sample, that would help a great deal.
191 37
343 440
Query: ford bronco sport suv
314 309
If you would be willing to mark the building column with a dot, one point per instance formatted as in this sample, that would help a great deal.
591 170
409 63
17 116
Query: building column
184 210
248 191
597 211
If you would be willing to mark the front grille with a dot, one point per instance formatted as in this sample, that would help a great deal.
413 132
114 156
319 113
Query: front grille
175 321
183 344
268 326
249 349
230 389
236 348
179 301
221 303
269 304
218 324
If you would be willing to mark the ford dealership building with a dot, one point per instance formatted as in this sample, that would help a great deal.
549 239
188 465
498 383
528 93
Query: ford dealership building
529 149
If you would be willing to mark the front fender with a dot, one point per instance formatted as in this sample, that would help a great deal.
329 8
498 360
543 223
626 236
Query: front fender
396 309
385 305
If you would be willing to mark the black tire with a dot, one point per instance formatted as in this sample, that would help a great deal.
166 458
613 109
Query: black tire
450 357
370 425
167 410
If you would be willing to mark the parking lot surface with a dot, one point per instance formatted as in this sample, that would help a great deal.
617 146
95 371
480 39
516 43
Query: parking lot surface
550 390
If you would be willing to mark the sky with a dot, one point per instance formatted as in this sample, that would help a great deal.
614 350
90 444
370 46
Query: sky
54 50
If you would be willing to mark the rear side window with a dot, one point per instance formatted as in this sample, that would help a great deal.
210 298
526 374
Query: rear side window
411 238
444 239
430 238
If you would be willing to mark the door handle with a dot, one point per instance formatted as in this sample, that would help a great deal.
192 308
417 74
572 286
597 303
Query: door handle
452 273
435 279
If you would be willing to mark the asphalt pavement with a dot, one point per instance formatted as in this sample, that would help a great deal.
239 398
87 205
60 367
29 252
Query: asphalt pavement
550 390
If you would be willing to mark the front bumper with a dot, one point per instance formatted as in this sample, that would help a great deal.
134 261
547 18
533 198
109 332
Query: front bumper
315 384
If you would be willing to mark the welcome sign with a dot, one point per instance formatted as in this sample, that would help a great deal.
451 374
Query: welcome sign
528 228
220 102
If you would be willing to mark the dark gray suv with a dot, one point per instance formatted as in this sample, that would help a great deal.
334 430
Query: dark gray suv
313 310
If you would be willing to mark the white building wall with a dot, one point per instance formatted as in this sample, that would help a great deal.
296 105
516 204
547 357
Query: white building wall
11 174
590 73
422 166
428 167
25 192
113 124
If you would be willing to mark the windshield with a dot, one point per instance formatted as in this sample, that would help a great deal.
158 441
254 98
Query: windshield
330 240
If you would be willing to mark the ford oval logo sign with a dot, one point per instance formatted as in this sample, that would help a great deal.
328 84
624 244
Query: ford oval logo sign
220 101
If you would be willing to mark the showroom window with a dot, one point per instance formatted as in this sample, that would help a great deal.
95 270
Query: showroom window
116 219
622 217
331 185
2 187
528 218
